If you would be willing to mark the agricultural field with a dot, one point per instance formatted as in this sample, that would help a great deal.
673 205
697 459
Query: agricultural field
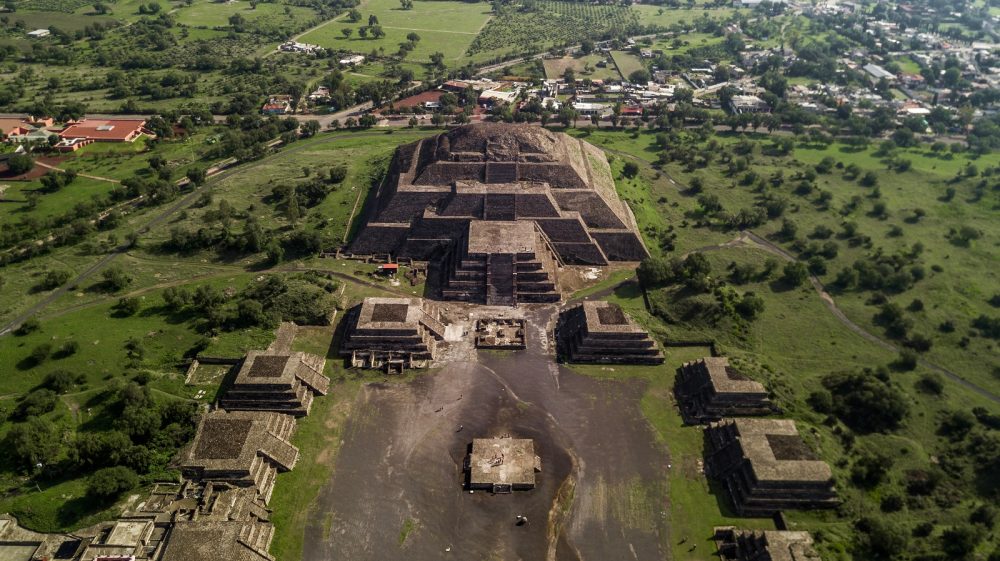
585 66
627 63
681 44
551 23
649 14
447 27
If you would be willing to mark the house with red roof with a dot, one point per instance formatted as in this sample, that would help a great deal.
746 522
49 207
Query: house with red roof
105 130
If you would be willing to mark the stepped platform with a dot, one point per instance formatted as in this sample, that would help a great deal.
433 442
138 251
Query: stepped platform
766 467
393 333
215 540
601 333
710 389
242 448
282 383
502 465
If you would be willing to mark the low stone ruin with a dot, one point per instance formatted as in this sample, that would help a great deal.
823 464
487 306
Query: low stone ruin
282 383
768 545
710 388
767 467
392 334
600 332
503 464
500 334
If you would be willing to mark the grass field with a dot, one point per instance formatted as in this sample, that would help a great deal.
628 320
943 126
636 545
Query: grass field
555 67
627 63
447 27
214 14
650 14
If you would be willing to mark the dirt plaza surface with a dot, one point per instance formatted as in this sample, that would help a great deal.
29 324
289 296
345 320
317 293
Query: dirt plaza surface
398 490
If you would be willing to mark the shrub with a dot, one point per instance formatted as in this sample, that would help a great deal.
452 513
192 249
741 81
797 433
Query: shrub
109 483
115 278
20 163
36 403
794 273
630 169
880 538
960 541
891 503
54 279
34 442
931 383
29 325
61 381
127 307
865 401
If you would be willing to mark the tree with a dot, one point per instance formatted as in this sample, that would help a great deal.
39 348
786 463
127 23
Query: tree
640 76
37 441
630 169
654 272
19 164
794 273
196 175
115 278
107 484
869 179
347 31
54 279
750 306
865 401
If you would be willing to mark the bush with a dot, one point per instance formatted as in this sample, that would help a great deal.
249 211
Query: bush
61 381
879 538
20 163
34 442
960 541
127 307
115 278
794 273
931 383
29 325
750 306
54 279
865 401
630 169
36 403
891 503
109 483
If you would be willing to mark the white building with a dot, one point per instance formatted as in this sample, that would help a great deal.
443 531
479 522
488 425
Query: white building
352 60
39 33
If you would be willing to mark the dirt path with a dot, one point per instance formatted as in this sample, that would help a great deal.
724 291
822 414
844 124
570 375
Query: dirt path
97 177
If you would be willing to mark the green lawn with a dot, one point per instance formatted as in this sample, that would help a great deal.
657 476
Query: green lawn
207 13
650 14
585 66
443 26
627 63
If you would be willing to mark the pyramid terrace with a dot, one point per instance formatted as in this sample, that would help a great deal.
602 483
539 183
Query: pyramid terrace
767 467
710 389
600 332
279 383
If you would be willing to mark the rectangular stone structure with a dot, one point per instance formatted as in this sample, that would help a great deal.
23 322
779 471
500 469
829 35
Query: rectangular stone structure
710 388
503 464
766 467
